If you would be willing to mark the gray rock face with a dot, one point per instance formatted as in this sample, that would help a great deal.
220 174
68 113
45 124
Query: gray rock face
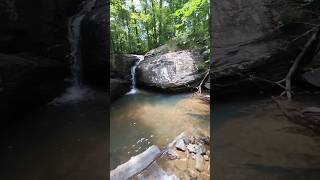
176 71
118 87
40 26
95 47
254 38
121 64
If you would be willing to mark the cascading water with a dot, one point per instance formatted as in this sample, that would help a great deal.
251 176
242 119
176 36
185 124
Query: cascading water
76 92
133 74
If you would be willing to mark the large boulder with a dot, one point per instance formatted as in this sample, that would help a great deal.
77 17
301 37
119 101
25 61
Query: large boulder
95 47
27 81
255 40
175 71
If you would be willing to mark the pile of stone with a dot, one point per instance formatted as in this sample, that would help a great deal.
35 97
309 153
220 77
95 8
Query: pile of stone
196 148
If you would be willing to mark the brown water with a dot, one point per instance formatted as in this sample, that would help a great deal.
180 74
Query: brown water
143 119
57 142
255 141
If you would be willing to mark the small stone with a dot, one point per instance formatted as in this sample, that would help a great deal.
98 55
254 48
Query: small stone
180 145
206 139
199 162
192 148
206 157
208 153
193 155
202 149
172 154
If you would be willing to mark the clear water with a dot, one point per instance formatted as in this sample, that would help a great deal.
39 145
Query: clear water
140 120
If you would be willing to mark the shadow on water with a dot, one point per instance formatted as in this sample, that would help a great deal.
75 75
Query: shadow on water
57 142
253 140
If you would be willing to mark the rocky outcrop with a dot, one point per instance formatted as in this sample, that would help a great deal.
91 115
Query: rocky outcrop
118 87
175 71
255 40
39 26
27 81
95 47
121 64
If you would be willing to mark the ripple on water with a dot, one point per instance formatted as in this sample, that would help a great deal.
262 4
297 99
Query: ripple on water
143 119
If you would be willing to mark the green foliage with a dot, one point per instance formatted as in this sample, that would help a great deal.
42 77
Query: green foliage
138 26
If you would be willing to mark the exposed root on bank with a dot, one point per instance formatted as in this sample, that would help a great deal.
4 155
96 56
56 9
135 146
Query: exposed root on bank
306 55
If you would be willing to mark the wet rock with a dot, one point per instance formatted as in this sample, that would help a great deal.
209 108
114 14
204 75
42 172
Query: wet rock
312 77
35 27
205 139
199 163
254 42
311 110
180 145
121 64
95 46
175 71
118 87
172 154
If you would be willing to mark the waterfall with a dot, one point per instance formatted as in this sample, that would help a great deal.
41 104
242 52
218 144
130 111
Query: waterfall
133 74
77 91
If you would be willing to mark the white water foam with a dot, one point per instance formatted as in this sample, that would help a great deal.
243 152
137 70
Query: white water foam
76 92
133 74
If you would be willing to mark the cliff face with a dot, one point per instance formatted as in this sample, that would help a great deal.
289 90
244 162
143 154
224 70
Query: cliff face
254 39
34 51
95 35
39 26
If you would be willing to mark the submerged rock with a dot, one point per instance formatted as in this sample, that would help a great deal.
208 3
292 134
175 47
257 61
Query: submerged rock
175 71
172 154
199 162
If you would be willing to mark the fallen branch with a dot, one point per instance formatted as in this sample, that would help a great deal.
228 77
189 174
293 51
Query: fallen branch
293 69
201 83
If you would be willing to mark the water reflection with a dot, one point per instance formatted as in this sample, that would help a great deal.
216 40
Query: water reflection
142 119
